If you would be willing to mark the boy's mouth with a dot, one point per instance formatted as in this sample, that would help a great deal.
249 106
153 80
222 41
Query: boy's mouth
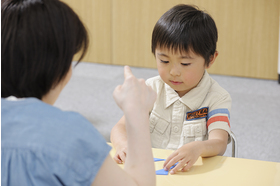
176 82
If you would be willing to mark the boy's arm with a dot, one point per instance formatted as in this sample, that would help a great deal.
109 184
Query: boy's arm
188 154
216 143
119 140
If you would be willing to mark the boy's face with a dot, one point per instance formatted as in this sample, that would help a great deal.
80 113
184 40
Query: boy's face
181 71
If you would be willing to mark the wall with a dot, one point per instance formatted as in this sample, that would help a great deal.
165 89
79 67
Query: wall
248 33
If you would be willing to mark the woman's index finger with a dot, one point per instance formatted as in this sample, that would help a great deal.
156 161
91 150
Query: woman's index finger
127 72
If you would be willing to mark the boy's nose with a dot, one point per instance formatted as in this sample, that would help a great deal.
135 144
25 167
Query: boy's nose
175 71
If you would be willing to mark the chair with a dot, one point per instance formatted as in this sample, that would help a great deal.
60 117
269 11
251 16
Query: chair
234 151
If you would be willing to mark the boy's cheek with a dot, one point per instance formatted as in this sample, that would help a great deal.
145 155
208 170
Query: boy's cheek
163 74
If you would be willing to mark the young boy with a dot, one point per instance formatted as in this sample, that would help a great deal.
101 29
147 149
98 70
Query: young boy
191 113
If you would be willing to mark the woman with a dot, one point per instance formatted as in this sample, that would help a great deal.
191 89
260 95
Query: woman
42 145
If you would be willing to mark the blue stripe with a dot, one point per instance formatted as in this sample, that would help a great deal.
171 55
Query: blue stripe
218 111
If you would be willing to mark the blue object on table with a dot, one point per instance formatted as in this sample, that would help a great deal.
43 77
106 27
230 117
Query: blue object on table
158 159
161 172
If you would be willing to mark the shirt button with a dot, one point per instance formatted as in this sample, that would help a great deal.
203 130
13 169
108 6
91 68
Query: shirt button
198 129
177 103
175 129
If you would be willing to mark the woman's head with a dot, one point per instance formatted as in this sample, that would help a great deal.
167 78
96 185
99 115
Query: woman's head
39 40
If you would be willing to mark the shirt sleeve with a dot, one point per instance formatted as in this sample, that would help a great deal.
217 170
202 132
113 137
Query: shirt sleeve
219 114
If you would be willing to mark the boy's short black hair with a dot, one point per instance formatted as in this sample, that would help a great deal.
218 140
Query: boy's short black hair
186 28
39 40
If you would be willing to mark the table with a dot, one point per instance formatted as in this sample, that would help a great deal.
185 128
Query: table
219 171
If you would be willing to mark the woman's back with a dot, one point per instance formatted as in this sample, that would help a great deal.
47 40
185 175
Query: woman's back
42 145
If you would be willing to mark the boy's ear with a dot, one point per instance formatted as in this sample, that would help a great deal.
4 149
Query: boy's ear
212 59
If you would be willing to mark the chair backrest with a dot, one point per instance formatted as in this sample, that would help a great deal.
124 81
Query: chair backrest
234 151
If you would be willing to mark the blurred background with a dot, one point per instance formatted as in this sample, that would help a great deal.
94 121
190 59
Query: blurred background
121 30
120 34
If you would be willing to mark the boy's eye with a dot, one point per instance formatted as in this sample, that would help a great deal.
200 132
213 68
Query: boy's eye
164 61
185 64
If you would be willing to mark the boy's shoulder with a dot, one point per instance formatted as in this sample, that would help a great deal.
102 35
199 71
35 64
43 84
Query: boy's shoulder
155 82
217 96
217 89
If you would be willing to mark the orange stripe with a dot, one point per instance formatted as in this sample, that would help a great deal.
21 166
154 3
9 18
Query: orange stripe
218 118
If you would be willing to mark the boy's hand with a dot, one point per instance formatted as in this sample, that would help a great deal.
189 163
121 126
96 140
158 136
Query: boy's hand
120 155
186 156
134 95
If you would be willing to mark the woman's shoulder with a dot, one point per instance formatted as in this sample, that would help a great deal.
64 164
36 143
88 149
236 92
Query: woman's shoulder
34 109
31 119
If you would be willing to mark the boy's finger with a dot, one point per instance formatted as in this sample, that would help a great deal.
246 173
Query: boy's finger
127 72
188 166
169 158
170 163
177 167
122 157
117 159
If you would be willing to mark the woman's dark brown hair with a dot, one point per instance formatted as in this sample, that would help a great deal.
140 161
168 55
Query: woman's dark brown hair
38 41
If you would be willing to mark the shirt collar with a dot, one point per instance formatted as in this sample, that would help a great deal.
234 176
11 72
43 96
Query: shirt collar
170 96
194 98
